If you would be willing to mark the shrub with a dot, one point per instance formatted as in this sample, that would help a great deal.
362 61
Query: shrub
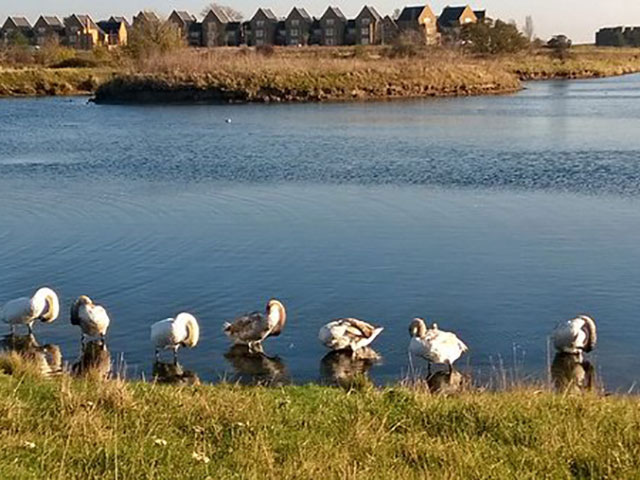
76 62
491 37
51 53
153 37
560 46
407 44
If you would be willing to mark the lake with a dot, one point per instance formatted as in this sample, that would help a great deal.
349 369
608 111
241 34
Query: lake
496 217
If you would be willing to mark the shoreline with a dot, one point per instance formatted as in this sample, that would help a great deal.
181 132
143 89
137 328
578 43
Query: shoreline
313 75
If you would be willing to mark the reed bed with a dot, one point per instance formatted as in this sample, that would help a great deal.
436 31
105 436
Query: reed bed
69 428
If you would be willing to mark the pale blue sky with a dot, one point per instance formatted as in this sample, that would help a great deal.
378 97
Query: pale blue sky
577 18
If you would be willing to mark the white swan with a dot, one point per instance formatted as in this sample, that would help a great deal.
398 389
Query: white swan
92 319
173 333
43 306
434 345
575 336
252 329
348 334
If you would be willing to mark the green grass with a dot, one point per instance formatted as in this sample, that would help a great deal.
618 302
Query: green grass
82 429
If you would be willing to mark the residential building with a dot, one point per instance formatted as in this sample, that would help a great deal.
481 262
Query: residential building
16 29
390 30
368 27
263 26
452 19
145 16
632 36
298 27
182 21
350 32
120 19
281 33
82 32
115 32
194 35
315 35
234 32
481 15
48 30
214 27
333 25
420 19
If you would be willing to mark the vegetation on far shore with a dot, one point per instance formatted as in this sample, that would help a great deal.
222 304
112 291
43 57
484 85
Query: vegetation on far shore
494 57
81 428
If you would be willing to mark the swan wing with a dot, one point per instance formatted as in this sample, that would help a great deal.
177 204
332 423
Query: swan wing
248 328
18 311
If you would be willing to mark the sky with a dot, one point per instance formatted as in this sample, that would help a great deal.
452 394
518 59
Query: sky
579 19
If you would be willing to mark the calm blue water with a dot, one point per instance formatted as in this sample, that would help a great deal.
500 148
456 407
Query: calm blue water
494 216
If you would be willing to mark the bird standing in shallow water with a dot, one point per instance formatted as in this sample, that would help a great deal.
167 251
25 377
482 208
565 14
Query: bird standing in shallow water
43 306
575 336
348 334
434 345
173 333
252 329
92 319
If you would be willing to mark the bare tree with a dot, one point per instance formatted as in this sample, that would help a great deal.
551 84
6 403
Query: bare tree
231 12
529 30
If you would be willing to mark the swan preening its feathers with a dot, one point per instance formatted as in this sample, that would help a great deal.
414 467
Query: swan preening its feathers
43 306
252 329
173 333
92 319
434 345
348 334
575 336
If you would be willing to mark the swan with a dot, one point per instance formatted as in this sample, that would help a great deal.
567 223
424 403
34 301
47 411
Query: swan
252 329
92 319
172 333
348 334
575 336
434 345
43 306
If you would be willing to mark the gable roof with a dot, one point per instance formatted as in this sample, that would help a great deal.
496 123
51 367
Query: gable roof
186 17
19 22
110 27
146 15
266 12
302 12
83 20
114 18
481 14
336 11
219 13
51 21
371 11
410 14
450 15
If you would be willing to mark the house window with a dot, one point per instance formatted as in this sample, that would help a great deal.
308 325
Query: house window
329 41
294 32
365 41
467 20
427 20
295 23
365 21
42 29
72 39
259 42
330 22
329 32
365 32
259 33
259 23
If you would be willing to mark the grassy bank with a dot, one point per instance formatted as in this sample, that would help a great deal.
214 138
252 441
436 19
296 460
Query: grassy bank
312 74
65 428
48 81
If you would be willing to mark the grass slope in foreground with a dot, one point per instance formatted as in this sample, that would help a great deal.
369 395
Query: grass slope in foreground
80 429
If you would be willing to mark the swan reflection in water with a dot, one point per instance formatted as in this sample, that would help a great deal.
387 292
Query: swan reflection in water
256 368
571 373
342 369
448 382
173 373
94 361
46 358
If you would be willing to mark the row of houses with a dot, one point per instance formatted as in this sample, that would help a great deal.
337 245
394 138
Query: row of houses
618 37
217 28
76 31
